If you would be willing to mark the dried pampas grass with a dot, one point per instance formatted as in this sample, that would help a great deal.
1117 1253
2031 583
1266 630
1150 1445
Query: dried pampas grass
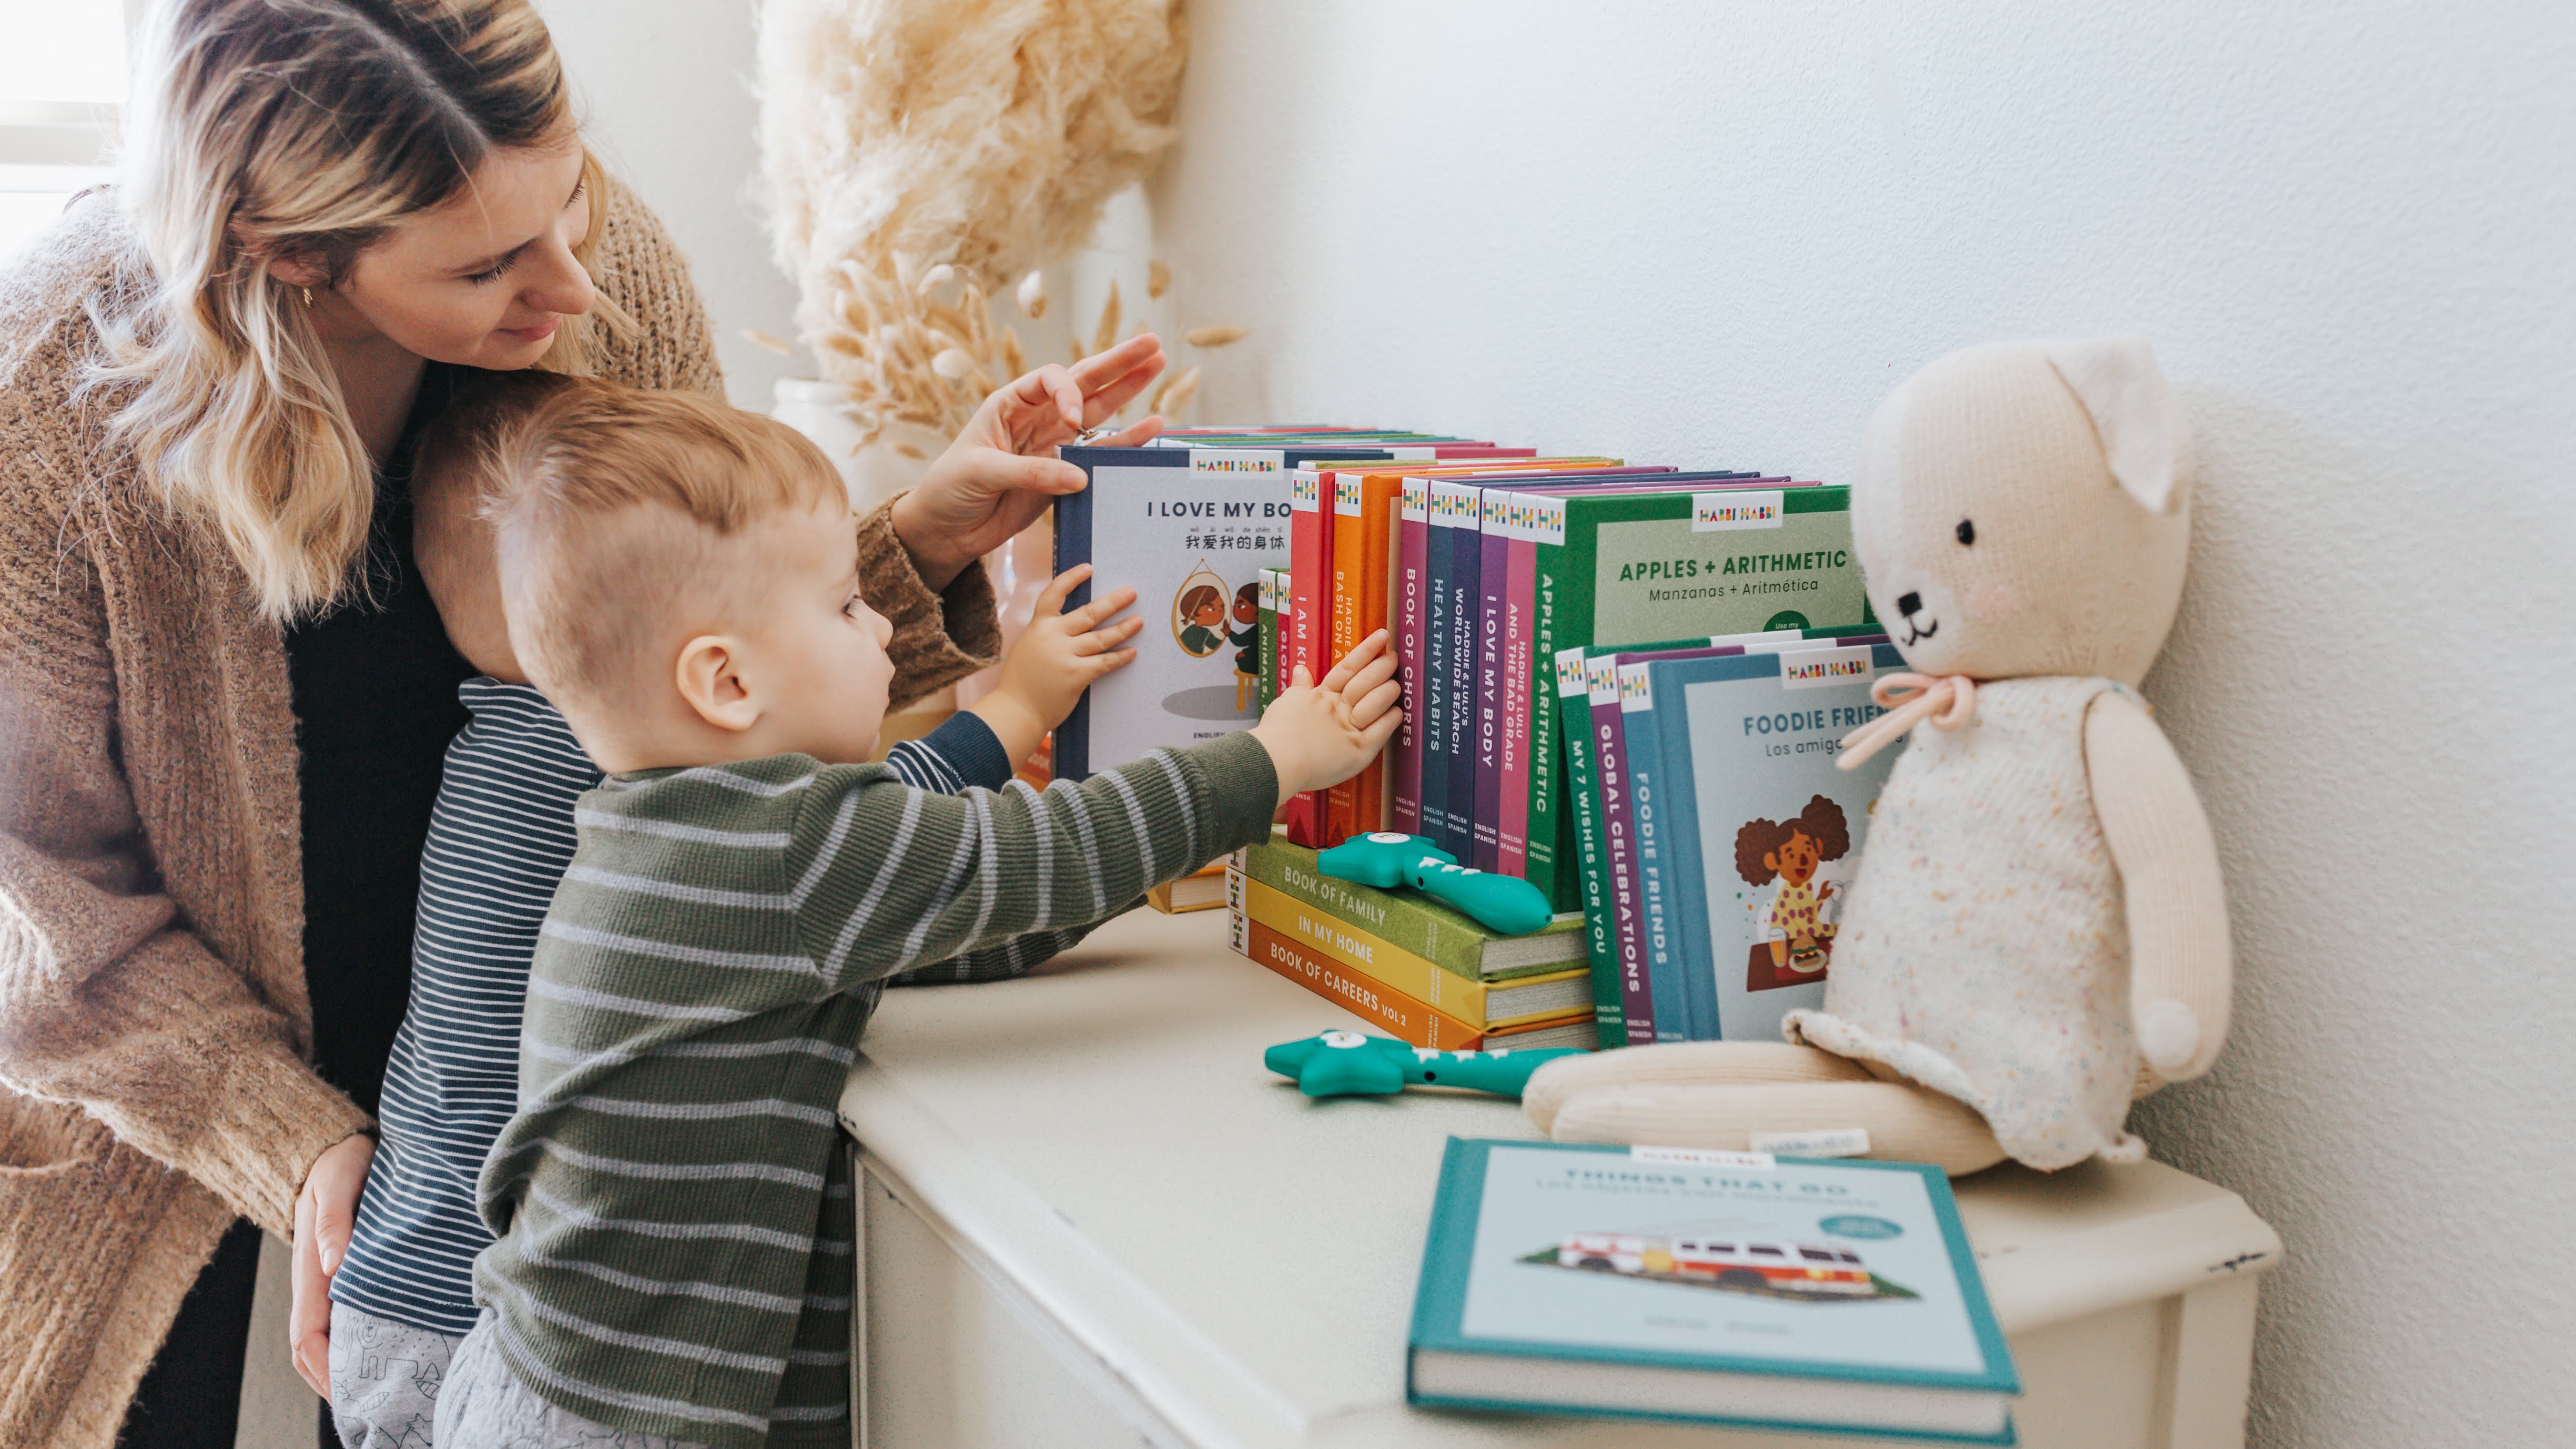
916 151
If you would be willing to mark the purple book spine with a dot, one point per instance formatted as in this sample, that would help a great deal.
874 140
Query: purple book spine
1412 534
1491 579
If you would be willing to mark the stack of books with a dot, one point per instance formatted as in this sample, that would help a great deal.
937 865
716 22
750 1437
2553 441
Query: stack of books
1623 682
1406 963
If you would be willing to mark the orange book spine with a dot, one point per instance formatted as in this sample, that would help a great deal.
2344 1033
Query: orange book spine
1399 1015
1378 498
1350 550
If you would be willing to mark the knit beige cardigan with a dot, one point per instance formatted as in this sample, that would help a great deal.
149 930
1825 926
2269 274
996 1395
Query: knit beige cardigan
154 1029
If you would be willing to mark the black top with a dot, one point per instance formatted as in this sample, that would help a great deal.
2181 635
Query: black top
375 706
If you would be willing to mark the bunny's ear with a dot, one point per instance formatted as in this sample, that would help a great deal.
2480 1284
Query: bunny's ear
2143 435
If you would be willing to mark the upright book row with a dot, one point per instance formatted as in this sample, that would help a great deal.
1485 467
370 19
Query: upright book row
1542 609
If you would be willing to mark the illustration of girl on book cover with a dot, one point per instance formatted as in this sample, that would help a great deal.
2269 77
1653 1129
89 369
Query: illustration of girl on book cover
1792 852
1198 614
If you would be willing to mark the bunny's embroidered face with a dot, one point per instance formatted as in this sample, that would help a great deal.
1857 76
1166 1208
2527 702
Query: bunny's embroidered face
2022 508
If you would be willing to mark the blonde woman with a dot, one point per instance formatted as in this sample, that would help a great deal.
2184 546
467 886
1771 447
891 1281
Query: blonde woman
223 692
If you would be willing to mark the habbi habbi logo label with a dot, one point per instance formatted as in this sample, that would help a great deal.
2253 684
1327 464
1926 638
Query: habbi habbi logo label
1721 512
1820 668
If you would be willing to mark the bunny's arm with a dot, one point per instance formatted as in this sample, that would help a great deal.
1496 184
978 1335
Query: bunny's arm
2180 973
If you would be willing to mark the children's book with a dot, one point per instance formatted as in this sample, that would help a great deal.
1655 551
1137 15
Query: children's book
1267 666
1550 994
1189 529
1412 542
1734 1288
1415 923
1393 1012
1761 830
1530 832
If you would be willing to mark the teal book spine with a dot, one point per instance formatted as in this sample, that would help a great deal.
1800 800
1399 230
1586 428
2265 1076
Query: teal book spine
1574 718
1638 726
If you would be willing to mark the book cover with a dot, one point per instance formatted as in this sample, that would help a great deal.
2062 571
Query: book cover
1535 799
1189 529
1763 830
1720 1287
1482 1005
1415 923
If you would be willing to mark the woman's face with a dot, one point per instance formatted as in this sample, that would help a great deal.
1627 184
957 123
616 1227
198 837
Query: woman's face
482 280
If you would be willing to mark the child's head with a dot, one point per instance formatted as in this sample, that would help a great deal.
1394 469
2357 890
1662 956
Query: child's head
681 579
1247 604
1792 850
1203 605
454 471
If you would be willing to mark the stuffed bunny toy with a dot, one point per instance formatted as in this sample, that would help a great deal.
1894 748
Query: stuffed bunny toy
2036 933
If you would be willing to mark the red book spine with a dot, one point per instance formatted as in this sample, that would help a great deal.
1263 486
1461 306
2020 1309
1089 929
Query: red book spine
1520 571
1397 1014
1310 559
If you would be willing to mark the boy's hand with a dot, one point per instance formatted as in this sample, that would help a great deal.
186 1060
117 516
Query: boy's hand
1056 658
1319 735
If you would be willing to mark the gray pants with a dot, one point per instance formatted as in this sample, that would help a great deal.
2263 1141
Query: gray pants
486 1407
385 1378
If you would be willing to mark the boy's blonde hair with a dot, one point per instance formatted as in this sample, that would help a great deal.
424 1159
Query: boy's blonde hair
619 508
455 473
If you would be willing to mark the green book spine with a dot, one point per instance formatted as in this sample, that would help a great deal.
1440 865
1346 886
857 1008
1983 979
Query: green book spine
1269 637
1583 807
1403 919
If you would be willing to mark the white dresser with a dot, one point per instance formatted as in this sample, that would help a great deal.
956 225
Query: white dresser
1092 1218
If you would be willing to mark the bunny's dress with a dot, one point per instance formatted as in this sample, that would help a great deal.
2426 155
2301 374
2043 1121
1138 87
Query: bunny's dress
1984 952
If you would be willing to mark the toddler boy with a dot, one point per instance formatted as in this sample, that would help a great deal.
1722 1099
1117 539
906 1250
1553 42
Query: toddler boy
500 839
674 1221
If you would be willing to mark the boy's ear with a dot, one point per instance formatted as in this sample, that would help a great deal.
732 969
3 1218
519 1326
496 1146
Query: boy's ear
709 674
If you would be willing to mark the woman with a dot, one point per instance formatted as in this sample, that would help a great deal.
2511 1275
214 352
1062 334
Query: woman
223 693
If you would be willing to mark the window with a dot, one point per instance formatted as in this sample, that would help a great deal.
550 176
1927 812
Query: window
1764 1250
1815 1255
62 82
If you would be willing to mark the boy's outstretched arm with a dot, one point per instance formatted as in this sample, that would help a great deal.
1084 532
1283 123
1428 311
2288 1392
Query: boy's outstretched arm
885 878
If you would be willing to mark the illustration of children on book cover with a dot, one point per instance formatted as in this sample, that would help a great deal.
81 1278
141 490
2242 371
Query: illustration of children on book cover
1798 861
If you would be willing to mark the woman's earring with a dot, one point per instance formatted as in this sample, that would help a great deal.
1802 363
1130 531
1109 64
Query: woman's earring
308 296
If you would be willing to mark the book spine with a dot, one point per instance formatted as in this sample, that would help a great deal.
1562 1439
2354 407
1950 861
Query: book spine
1330 936
1310 545
1466 558
1070 742
1269 639
1490 582
1619 851
1559 621
1398 1016
1574 714
1639 723
1350 558
1435 671
1676 823
1395 917
1511 830
1377 496
1413 520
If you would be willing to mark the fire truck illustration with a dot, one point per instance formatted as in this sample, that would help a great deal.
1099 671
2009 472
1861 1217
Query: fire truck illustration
1730 1261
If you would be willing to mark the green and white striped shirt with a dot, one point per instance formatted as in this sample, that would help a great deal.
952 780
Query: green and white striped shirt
673 1215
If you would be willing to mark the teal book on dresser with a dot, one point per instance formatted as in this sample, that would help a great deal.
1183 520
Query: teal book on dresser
1738 1288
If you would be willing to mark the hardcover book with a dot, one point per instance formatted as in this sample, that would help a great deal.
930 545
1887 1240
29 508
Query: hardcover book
1190 529
1711 1287
1761 830
1506 1001
1415 923
1393 1012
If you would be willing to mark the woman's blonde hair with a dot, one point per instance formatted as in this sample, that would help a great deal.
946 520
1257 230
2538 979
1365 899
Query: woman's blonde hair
306 129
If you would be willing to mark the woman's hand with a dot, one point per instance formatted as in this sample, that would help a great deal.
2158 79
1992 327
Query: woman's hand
325 1213
1002 471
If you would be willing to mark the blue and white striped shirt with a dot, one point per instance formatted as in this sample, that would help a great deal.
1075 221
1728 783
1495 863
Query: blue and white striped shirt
500 839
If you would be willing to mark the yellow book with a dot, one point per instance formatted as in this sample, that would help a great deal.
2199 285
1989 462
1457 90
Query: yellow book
1482 1006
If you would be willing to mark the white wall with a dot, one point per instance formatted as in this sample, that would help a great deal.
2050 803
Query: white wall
665 92
1717 233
